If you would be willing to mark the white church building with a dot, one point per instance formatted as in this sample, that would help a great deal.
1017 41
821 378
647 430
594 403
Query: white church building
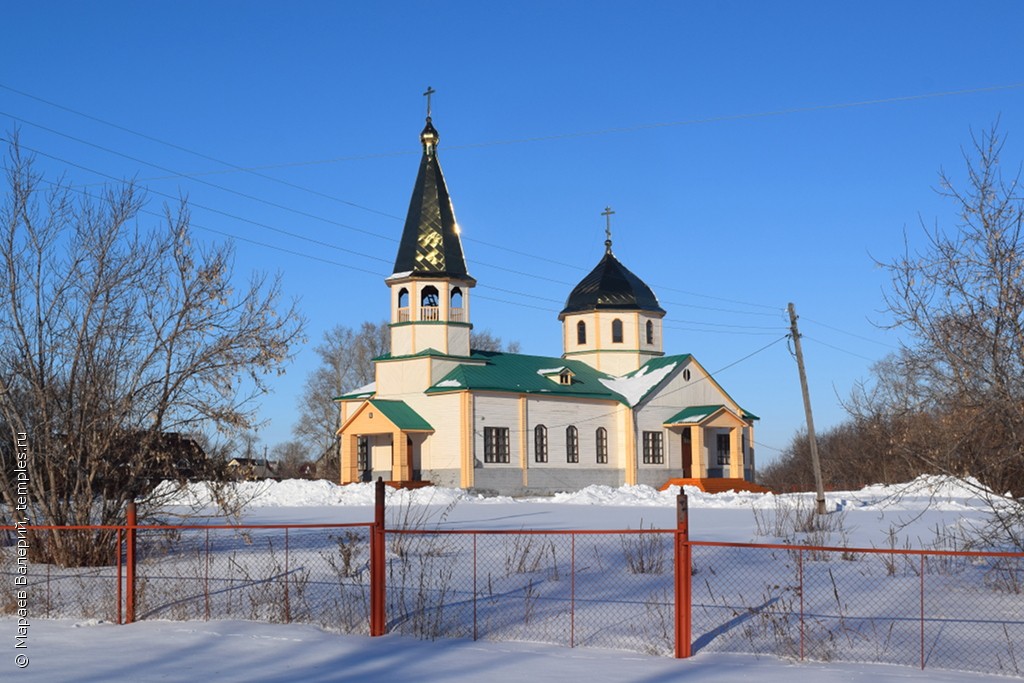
611 409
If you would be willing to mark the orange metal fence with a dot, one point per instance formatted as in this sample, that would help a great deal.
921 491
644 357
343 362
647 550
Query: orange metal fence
651 591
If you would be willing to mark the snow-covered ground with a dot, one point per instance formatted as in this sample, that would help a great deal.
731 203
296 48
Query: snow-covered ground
248 652
226 650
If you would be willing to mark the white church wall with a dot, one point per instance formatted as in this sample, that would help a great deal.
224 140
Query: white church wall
497 411
557 415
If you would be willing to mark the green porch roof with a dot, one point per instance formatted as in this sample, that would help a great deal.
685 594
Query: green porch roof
401 415
693 414
696 414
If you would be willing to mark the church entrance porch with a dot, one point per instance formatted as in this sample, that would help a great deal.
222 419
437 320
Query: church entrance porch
377 441
712 442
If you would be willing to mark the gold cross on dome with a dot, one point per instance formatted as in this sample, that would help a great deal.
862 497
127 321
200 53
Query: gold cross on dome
430 91
608 213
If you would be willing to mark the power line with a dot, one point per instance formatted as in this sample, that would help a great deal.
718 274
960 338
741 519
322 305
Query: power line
177 174
299 236
851 334
207 208
740 117
836 348
606 131
193 152
732 328
601 131
229 190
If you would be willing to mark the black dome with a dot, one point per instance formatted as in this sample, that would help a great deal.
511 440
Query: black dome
611 286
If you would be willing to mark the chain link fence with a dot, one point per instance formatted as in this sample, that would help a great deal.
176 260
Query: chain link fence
947 610
60 592
315 575
611 589
601 589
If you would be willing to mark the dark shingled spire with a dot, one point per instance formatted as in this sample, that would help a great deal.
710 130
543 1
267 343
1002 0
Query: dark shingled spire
430 244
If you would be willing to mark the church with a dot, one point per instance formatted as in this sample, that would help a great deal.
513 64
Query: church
612 409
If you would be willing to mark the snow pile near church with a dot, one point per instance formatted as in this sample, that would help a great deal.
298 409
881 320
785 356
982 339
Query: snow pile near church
646 496
317 493
927 491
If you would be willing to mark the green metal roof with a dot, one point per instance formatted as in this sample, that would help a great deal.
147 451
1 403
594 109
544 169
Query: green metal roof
693 414
401 415
697 414
520 373
425 353
361 392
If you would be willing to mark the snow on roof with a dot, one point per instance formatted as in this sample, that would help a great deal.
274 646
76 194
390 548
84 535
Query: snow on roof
634 388
449 383
550 371
395 276
368 389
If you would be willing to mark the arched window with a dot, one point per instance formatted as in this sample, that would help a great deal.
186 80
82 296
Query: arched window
616 331
540 443
602 446
403 305
429 296
581 332
572 444
455 310
650 332
429 299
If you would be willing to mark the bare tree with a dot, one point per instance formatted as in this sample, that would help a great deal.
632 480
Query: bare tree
961 301
117 345
292 461
346 363
485 340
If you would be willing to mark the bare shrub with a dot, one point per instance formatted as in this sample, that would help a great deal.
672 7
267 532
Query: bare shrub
645 552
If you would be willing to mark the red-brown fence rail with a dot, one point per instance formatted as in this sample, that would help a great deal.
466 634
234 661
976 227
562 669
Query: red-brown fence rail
650 591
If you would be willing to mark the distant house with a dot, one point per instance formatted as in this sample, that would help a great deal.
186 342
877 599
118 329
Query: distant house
252 468
136 461
612 409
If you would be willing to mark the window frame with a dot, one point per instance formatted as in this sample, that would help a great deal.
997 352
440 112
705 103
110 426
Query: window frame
581 333
617 331
724 453
601 439
496 446
572 445
362 453
654 448
540 444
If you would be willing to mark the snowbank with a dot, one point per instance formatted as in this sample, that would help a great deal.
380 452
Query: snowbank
937 492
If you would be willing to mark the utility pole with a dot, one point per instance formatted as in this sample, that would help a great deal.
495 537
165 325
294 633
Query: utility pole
812 441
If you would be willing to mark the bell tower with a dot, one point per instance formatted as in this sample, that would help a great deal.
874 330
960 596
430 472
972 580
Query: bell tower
430 287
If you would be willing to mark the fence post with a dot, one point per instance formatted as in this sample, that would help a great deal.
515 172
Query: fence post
129 616
118 562
683 568
378 615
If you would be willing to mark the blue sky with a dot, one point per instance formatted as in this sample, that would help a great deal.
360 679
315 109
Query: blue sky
754 153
